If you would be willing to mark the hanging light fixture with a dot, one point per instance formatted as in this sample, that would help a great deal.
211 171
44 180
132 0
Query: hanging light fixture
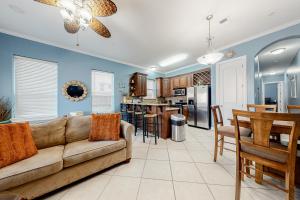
211 56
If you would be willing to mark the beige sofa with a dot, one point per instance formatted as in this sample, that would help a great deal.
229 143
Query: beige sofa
64 156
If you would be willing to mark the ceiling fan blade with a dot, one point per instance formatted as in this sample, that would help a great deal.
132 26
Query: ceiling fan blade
99 28
71 27
102 8
48 2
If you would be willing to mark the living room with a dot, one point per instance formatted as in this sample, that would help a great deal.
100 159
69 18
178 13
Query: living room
107 99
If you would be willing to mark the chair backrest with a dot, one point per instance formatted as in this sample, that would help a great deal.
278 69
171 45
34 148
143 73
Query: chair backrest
218 118
261 108
261 124
293 108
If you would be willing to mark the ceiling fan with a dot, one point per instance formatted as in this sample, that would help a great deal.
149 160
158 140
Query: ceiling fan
82 14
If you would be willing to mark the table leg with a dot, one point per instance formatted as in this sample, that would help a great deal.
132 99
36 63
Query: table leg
258 173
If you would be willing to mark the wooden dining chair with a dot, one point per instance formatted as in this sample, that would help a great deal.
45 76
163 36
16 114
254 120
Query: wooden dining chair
264 152
293 108
223 131
261 108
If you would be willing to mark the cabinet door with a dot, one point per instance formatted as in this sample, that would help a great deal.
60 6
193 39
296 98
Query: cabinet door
176 82
190 80
171 88
159 87
183 81
166 87
143 86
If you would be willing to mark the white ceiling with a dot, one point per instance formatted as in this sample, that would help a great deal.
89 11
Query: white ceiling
145 32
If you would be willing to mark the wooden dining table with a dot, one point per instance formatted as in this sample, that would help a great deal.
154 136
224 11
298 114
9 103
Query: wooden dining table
279 127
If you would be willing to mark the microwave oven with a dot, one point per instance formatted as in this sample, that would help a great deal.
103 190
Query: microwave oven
179 92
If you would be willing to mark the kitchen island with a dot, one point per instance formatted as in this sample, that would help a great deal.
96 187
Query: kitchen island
163 111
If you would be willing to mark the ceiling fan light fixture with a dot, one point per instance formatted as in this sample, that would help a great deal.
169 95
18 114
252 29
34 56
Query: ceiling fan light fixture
212 56
68 5
66 15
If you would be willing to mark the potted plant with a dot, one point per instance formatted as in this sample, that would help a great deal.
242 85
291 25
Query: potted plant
5 110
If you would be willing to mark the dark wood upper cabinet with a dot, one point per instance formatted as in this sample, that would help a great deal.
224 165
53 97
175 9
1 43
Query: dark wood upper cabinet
166 87
138 85
183 81
176 82
159 88
163 87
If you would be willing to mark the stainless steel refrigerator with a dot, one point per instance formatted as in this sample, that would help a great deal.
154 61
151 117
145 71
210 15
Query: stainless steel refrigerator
198 99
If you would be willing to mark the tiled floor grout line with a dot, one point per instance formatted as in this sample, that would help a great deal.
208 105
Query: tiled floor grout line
171 172
201 174
111 176
137 195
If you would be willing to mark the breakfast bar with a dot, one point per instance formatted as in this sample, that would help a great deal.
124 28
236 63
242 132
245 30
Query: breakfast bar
163 111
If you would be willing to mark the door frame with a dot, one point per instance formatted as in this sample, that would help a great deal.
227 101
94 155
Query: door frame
244 64
280 98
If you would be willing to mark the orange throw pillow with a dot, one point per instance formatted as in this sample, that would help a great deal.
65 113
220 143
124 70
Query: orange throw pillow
105 127
16 143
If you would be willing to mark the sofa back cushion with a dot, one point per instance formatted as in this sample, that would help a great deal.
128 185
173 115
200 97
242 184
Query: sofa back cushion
16 143
105 127
78 128
49 134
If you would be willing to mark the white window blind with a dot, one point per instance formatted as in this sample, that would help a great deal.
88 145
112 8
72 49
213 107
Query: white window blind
35 89
102 92
150 89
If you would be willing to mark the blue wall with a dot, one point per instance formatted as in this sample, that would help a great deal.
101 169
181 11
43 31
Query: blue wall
71 66
250 49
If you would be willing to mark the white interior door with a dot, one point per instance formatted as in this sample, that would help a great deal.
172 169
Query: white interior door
231 88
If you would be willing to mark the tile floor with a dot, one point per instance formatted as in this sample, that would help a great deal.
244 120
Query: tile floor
170 170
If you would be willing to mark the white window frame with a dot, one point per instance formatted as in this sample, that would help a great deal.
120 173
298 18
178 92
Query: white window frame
112 94
34 118
153 90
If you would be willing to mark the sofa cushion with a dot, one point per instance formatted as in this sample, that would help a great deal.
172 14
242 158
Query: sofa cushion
78 128
45 162
78 152
105 127
16 143
49 134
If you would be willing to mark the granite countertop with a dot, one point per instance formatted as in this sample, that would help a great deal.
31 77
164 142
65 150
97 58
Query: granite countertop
171 108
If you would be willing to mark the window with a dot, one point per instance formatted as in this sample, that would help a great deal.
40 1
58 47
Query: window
102 92
150 89
35 89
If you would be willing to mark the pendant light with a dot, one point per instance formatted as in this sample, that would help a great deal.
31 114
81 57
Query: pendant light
211 56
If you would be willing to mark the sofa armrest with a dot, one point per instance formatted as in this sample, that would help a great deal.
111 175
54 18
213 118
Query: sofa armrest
127 131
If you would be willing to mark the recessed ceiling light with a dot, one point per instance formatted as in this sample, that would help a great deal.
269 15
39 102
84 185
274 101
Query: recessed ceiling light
277 51
16 9
173 59
153 68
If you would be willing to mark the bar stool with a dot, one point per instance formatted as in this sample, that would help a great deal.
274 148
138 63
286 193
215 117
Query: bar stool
130 115
138 118
123 111
150 119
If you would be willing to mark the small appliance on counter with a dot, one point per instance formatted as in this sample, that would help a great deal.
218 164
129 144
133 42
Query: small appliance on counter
179 92
198 99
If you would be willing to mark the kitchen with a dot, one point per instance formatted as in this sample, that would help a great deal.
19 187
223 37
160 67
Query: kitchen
187 94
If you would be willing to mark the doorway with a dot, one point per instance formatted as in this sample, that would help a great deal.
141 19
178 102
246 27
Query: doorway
231 88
